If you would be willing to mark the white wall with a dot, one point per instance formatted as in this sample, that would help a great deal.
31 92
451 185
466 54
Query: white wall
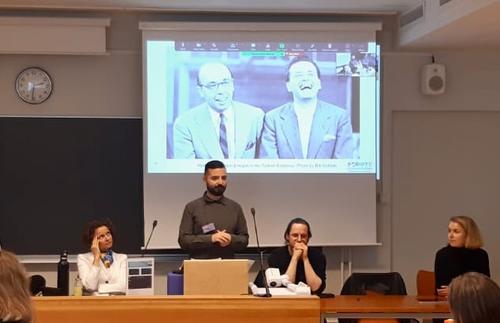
413 208
444 155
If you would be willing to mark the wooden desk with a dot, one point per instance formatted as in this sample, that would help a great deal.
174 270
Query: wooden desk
179 309
230 309
391 306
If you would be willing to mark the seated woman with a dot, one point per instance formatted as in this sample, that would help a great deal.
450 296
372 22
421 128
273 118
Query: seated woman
297 260
101 265
474 298
15 297
462 254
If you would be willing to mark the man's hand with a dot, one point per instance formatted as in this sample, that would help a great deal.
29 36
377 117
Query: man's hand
297 251
305 251
222 238
300 250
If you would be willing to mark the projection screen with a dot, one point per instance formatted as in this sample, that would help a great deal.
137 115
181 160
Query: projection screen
331 181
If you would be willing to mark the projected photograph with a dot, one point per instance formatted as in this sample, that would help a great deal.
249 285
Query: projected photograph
262 107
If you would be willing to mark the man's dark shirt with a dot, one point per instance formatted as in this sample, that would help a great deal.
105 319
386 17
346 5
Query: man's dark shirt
198 217
280 258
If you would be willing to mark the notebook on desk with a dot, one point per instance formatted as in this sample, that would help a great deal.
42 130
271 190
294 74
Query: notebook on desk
216 277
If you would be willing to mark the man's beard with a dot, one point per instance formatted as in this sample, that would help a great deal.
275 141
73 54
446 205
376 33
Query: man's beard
216 190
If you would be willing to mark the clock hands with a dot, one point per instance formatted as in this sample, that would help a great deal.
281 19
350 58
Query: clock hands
31 89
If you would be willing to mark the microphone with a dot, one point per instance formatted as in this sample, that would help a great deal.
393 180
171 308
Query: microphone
268 293
155 223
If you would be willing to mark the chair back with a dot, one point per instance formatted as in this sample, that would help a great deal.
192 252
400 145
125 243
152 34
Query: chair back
426 285
381 283
375 284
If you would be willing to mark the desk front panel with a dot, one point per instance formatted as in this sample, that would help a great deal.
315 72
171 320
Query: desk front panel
179 309
352 306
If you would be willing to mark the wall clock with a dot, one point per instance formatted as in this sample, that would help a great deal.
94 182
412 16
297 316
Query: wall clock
34 85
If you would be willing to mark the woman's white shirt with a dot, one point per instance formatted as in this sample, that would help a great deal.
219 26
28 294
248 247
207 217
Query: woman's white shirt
92 276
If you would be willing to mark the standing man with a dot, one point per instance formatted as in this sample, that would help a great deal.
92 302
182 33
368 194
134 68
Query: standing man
220 127
306 127
213 226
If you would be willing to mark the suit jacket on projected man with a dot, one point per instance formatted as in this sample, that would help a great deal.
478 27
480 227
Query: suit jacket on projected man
195 135
331 134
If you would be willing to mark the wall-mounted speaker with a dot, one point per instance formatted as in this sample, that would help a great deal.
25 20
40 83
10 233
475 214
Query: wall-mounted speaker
433 79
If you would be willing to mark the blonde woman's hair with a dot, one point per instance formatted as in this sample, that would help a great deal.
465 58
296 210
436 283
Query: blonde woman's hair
473 238
15 298
474 298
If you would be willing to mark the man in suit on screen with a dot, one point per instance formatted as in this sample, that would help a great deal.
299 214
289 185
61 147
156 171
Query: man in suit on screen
219 128
306 127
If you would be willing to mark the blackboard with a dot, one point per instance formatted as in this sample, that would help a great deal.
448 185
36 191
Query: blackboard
58 173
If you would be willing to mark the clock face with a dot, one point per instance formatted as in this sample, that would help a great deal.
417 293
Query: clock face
33 85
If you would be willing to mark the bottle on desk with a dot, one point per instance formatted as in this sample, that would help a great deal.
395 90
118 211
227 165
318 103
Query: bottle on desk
63 273
78 287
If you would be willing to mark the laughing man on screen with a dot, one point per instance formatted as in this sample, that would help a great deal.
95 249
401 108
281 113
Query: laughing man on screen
219 128
307 127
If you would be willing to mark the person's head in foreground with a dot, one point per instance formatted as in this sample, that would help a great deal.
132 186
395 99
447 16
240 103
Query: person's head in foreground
15 298
474 298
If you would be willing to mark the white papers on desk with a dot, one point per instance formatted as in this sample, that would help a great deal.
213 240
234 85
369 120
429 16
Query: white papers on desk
108 289
299 289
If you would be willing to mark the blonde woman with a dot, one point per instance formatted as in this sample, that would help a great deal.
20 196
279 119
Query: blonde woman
474 298
462 254
15 298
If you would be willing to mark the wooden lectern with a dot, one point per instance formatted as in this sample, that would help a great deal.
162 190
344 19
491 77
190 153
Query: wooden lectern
216 277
